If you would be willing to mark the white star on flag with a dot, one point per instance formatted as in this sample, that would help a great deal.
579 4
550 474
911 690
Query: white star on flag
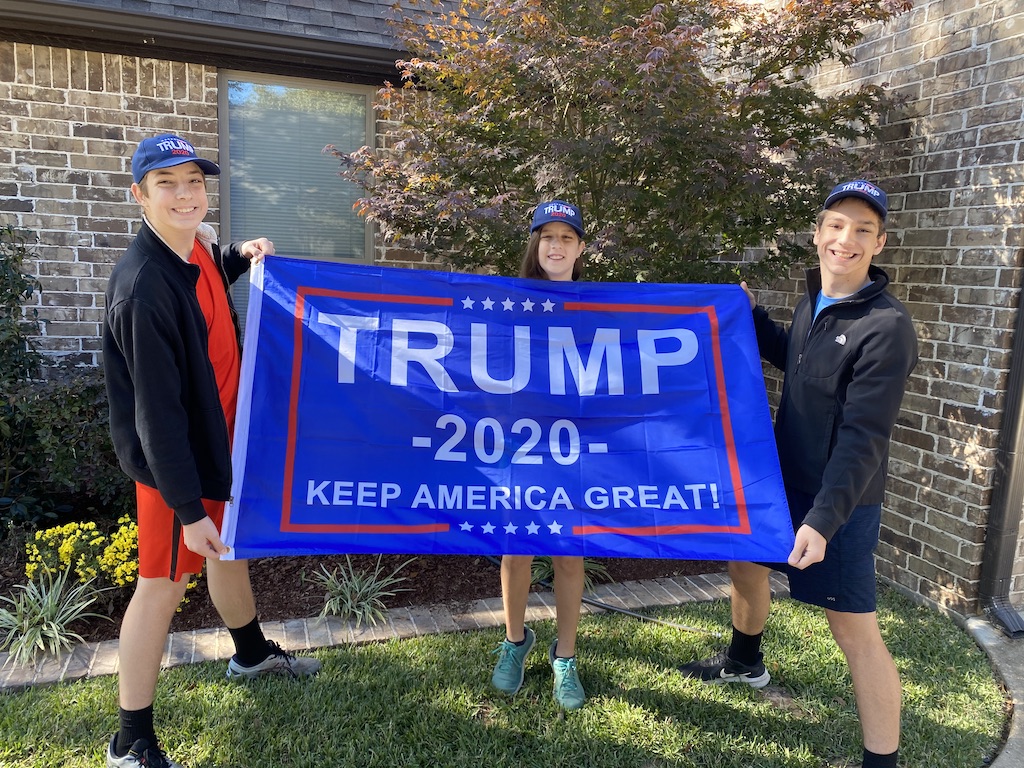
555 527
528 305
507 304
548 305
466 526
487 528
532 527
467 303
487 303
511 528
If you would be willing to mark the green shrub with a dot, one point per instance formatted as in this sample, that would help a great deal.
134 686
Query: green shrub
18 360
56 460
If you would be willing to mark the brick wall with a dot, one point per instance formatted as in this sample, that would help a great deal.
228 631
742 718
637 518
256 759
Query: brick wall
69 121
952 166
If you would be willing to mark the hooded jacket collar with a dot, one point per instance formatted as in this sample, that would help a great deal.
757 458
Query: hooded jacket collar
879 281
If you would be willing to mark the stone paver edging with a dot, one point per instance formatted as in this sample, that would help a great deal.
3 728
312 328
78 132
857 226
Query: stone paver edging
95 659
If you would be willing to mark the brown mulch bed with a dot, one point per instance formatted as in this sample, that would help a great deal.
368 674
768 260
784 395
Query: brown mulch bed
284 588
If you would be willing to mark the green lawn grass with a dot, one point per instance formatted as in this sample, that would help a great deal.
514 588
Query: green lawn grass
427 702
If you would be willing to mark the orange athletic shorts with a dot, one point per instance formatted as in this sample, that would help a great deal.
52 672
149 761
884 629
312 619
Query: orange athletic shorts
162 550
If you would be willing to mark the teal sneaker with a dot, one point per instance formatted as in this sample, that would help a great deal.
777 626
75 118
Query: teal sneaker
568 689
511 667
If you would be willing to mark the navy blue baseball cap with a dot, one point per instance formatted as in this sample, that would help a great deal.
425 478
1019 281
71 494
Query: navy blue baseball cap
863 190
557 210
165 151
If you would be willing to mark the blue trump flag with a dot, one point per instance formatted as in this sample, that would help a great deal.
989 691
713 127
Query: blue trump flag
407 411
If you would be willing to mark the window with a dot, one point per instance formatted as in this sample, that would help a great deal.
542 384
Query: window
276 181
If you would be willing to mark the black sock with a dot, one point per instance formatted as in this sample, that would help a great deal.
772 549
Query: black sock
746 649
875 760
517 642
251 646
135 724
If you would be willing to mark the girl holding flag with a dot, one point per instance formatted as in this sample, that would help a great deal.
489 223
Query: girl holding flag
553 253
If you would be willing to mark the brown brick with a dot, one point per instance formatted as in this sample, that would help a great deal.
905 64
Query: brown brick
48 314
94 131
989 297
915 438
992 154
8 68
73 330
1004 216
930 572
1008 48
108 241
967 315
900 491
947 179
58 283
902 578
905 544
66 300
963 59
95 286
935 162
16 205
921 312
59 344
923 200
64 268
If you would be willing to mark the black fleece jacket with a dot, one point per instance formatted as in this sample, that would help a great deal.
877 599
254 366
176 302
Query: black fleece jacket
166 420
846 371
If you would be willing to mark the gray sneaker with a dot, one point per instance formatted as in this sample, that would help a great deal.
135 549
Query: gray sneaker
141 754
511 667
279 662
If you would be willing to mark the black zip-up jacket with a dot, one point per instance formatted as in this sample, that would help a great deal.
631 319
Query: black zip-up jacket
845 373
166 420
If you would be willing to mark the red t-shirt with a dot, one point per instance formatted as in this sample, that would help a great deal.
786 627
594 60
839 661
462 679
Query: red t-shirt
223 350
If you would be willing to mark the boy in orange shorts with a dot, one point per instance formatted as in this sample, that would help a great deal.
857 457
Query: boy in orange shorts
171 356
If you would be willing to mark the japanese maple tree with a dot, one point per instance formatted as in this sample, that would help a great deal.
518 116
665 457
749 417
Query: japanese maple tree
687 131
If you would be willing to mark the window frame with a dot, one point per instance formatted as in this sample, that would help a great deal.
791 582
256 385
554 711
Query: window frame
224 148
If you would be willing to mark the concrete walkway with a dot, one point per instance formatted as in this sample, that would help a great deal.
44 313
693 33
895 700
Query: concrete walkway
94 659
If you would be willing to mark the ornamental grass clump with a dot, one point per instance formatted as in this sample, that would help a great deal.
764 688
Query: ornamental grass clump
37 620
358 595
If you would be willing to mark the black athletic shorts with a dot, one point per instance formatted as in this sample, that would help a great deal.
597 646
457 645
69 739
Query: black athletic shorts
845 580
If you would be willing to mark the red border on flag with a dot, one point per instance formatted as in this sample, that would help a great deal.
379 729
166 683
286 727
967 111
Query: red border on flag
743 526
293 415
743 523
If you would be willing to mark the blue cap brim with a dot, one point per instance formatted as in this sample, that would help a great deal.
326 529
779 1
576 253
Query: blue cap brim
207 167
833 199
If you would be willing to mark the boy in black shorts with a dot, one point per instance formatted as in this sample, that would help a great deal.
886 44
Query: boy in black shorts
846 356
171 358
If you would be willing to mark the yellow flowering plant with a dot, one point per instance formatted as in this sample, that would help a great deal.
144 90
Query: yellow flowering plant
86 552
110 561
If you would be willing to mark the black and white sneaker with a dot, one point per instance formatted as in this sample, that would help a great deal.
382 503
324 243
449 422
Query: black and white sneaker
279 662
140 755
721 669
